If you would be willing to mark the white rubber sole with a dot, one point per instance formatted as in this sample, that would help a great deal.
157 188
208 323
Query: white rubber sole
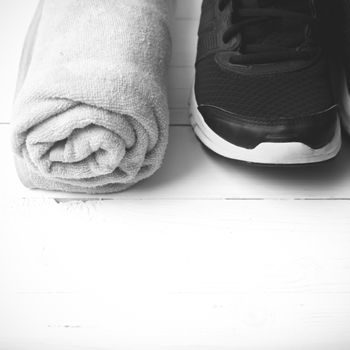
291 153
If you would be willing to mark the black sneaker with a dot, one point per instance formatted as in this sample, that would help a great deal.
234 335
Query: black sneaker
262 88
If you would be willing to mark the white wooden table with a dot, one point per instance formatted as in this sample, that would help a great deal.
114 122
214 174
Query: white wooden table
208 254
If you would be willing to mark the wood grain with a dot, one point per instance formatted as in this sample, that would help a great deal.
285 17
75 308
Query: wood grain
175 275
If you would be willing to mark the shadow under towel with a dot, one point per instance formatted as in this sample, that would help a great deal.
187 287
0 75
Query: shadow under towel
91 112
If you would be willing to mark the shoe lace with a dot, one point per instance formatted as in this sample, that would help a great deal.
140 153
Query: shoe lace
268 53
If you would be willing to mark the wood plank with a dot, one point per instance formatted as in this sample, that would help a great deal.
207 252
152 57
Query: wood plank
192 172
184 38
187 275
187 9
181 78
179 117
178 98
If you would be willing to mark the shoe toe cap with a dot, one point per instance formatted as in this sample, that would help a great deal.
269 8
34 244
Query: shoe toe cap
315 131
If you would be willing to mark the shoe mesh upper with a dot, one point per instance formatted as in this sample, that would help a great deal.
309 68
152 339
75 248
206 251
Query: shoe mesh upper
259 98
264 98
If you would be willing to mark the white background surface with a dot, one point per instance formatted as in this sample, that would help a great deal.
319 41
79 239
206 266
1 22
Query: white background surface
208 254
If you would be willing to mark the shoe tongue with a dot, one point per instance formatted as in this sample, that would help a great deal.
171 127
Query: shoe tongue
283 32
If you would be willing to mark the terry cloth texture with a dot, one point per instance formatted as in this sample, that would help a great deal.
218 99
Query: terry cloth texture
91 112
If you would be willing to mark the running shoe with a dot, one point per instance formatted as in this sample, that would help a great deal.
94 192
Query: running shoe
262 89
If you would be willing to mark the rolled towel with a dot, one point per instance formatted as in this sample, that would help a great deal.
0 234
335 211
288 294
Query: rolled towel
90 112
